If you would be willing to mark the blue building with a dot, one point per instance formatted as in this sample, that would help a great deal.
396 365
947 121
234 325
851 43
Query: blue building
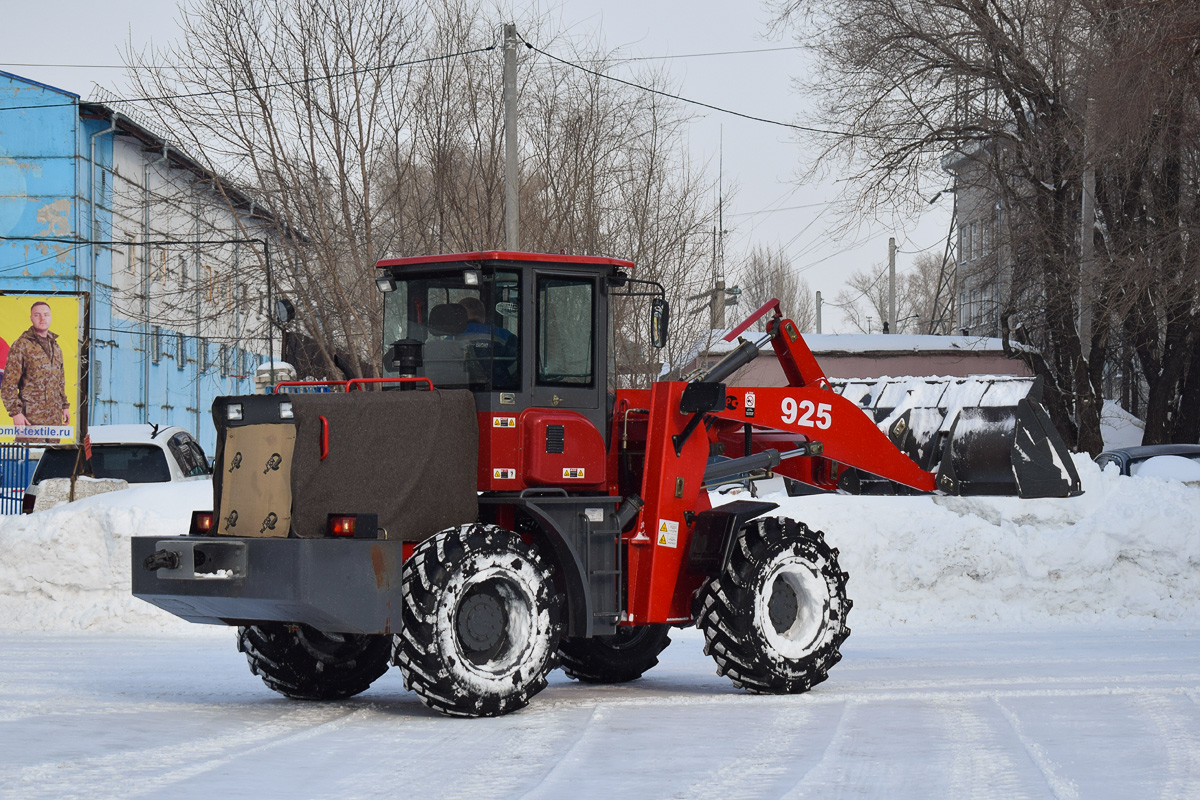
171 255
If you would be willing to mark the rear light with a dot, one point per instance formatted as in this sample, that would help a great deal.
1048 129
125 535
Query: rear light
202 523
341 525
354 526
27 503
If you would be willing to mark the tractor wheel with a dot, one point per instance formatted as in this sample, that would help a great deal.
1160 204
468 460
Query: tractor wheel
619 658
308 664
481 625
775 618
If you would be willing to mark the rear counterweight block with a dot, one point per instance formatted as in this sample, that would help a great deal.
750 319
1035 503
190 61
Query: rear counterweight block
338 585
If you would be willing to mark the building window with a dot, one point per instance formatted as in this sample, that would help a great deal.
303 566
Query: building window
223 357
155 344
202 362
180 351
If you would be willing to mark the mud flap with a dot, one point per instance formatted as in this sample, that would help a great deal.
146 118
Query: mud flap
1012 450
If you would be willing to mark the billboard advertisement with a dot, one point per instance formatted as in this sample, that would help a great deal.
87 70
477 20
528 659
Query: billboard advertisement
39 368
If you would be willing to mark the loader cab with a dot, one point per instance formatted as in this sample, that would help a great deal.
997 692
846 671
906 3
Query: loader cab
518 330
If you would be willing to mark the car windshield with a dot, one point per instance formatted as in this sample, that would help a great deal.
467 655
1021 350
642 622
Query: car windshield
468 331
135 463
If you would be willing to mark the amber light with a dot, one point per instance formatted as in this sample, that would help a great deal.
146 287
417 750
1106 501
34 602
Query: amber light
202 522
341 526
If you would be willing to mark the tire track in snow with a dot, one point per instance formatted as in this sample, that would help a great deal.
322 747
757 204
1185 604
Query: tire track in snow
109 776
541 744
980 766
1181 743
760 766
1063 788
827 755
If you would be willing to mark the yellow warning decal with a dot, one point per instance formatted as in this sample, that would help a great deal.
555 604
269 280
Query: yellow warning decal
572 472
668 533
504 422
504 474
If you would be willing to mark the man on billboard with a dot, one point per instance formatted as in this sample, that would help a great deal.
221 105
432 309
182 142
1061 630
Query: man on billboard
33 388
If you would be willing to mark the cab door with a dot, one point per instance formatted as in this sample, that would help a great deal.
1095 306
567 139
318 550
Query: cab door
569 345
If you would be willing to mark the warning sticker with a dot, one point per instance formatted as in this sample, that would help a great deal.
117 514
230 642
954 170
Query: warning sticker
504 474
572 472
668 533
504 422
749 404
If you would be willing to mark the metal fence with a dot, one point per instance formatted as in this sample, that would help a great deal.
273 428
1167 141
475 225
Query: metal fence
15 471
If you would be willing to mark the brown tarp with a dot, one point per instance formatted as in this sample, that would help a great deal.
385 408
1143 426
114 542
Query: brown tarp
409 457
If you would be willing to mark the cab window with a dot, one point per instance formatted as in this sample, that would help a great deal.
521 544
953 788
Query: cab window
564 331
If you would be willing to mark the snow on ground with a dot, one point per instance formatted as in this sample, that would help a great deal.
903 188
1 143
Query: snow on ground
1001 649
1125 552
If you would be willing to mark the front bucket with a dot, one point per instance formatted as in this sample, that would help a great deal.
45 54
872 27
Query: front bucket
1007 451
980 435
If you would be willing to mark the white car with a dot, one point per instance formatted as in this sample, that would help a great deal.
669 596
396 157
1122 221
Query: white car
137 454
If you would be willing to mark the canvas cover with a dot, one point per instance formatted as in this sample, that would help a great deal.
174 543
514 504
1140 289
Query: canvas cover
409 457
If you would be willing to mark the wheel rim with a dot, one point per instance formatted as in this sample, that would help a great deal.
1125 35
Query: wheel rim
794 607
492 623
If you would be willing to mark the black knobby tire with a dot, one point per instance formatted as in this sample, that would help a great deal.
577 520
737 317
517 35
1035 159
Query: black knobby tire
619 658
481 622
775 619
307 664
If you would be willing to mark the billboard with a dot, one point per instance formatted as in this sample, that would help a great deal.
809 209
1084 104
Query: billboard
39 368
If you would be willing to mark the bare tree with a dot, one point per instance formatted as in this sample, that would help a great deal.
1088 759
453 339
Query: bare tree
1002 87
371 128
768 274
865 301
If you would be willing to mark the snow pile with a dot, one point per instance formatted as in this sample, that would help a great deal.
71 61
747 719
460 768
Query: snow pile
67 568
1127 553
1120 428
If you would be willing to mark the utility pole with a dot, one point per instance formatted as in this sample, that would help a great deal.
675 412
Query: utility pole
512 237
891 286
818 311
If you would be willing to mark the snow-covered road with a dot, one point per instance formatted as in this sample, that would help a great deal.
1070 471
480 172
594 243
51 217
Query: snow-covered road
1055 714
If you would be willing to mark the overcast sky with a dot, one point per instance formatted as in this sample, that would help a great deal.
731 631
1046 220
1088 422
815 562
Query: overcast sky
767 204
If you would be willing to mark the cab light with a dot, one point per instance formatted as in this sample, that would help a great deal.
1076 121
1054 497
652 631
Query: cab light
233 411
285 410
341 525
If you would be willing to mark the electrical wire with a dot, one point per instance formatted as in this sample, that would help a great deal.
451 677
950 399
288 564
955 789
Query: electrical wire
705 55
751 117
264 86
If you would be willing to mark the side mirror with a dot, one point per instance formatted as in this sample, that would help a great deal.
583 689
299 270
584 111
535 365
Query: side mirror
660 319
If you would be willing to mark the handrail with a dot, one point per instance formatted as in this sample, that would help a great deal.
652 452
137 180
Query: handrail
349 385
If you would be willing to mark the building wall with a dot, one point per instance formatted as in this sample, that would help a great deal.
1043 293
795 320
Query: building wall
175 323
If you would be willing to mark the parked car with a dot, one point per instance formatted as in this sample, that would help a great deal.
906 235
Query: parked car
137 454
1180 461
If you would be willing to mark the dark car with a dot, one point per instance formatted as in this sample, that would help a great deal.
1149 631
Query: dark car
1155 459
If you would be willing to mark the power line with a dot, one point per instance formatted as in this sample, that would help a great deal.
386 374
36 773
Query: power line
705 55
264 86
661 93
791 125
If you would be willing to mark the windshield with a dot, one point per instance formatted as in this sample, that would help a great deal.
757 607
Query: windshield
469 332
135 463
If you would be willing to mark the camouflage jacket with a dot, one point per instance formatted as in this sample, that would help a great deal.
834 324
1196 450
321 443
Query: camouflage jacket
34 382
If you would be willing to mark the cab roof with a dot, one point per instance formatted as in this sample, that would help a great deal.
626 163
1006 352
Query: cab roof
507 255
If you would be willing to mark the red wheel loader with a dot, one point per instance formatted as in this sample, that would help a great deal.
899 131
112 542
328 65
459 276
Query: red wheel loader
491 510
